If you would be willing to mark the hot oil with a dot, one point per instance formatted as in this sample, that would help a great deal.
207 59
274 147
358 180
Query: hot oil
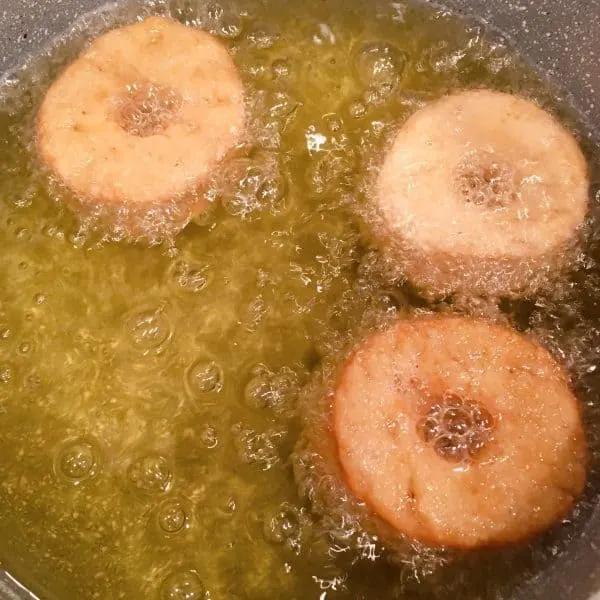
149 393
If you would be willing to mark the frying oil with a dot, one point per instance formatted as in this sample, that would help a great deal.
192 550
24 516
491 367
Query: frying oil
150 393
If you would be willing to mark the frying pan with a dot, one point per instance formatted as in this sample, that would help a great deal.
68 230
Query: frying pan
561 38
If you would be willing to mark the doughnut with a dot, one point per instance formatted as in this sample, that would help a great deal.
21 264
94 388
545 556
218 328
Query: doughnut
139 121
459 433
481 192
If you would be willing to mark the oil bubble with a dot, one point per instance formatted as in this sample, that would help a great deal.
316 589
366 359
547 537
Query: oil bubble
248 186
203 377
332 171
389 303
221 502
215 11
274 390
457 428
482 417
25 198
7 373
146 109
334 122
257 448
268 135
457 421
258 70
287 526
280 68
283 525
448 448
78 461
429 429
256 393
213 18
25 348
262 39
23 234
230 29
357 109
379 95
172 519
377 64
53 231
208 436
183 585
189 276
271 194
148 330
229 506
475 442
281 104
173 516
227 24
151 474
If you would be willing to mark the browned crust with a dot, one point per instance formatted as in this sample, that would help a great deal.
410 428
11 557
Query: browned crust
424 533
173 209
443 271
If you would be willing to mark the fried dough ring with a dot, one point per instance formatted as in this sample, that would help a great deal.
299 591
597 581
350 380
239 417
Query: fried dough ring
481 192
142 117
459 433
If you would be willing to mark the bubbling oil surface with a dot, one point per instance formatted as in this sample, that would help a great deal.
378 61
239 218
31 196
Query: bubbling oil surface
149 393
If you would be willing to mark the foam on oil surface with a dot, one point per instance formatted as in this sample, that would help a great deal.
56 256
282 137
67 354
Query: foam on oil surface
149 395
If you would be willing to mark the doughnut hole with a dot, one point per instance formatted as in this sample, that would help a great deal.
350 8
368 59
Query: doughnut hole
457 429
147 109
486 181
